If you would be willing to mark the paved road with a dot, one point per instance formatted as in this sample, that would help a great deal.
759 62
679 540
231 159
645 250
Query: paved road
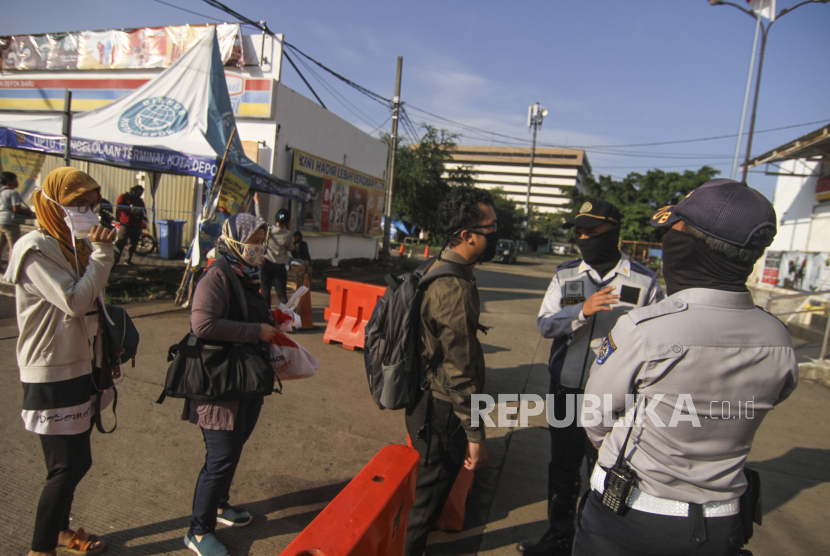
310 441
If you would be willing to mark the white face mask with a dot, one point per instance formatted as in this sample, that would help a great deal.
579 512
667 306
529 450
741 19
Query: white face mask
80 223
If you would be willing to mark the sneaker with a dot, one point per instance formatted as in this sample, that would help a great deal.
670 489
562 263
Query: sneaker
209 546
234 516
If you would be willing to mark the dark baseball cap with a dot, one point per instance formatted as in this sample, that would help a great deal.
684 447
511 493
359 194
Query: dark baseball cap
593 213
727 210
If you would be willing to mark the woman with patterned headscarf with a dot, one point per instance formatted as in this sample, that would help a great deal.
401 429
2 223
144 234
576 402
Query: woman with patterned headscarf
59 271
217 317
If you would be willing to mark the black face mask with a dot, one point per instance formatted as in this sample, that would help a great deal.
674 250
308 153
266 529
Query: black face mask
490 249
601 251
688 263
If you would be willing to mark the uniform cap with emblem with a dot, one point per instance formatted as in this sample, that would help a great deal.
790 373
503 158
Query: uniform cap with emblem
727 210
594 213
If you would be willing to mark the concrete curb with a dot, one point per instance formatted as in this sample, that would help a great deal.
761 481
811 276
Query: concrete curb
818 371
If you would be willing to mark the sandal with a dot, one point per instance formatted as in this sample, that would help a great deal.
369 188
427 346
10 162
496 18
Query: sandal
81 543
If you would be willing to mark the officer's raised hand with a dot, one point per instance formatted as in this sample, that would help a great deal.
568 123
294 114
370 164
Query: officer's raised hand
600 301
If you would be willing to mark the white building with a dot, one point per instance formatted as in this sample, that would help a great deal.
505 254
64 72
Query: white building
802 192
272 120
555 172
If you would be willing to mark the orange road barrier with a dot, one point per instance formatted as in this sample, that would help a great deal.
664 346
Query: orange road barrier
369 516
426 252
304 307
350 307
400 253
452 516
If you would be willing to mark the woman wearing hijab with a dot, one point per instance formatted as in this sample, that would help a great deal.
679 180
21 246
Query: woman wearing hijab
59 271
227 425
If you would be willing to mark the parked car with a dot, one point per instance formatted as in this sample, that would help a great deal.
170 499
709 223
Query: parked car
507 251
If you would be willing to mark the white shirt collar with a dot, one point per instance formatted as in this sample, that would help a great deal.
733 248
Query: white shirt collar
623 267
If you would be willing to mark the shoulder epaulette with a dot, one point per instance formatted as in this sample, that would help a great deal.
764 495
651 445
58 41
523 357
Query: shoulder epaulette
569 264
666 307
642 269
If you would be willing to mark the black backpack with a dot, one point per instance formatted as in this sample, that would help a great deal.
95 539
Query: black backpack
392 365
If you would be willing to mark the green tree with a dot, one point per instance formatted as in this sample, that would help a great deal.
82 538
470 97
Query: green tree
549 225
421 179
638 196
508 214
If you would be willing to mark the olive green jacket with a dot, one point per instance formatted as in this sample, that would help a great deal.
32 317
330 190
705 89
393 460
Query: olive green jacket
451 353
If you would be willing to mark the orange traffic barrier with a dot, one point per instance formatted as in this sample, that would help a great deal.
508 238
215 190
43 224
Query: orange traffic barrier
426 252
304 307
350 307
369 516
452 516
400 253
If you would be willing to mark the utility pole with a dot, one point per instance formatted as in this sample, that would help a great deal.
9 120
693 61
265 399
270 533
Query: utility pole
390 170
535 115
67 127
755 12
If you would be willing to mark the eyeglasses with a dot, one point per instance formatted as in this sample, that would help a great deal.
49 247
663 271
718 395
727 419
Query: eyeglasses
85 206
494 225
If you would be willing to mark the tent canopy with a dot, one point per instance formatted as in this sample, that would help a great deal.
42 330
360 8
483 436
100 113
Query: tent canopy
179 123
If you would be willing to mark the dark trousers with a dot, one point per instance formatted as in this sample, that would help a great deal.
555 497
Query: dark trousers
568 447
274 276
437 434
68 458
224 449
125 233
602 532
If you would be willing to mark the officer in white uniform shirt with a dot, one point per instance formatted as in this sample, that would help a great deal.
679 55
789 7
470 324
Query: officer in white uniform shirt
582 304
707 365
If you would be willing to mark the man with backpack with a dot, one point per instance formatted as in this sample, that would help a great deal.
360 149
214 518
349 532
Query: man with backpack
452 362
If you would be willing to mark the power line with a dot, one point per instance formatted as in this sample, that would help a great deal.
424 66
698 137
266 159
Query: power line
586 147
310 88
363 116
189 11
383 100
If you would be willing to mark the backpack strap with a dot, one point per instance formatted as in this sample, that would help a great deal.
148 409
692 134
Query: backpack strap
100 424
449 268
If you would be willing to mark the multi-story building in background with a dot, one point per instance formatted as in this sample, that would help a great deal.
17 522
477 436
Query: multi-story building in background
555 172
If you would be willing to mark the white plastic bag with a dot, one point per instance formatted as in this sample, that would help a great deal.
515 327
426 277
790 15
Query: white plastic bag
288 309
291 361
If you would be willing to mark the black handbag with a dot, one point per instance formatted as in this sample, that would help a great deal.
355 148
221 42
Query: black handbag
218 371
119 345
207 372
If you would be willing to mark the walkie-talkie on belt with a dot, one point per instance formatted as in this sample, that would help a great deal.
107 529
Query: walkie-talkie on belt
620 479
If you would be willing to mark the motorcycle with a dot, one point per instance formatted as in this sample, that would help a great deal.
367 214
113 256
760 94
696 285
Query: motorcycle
146 244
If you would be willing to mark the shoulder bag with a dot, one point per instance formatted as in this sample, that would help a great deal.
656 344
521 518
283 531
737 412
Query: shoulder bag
217 371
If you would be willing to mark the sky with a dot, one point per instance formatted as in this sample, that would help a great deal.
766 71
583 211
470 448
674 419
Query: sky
615 76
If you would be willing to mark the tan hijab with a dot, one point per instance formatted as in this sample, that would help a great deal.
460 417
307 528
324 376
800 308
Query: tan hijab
63 185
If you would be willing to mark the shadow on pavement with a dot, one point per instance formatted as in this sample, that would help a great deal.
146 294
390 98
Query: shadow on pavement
779 484
237 540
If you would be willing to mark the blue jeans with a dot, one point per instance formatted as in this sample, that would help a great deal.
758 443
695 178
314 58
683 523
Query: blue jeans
224 449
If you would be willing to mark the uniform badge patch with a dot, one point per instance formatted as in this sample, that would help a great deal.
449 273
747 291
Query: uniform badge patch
606 349
573 293
586 207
